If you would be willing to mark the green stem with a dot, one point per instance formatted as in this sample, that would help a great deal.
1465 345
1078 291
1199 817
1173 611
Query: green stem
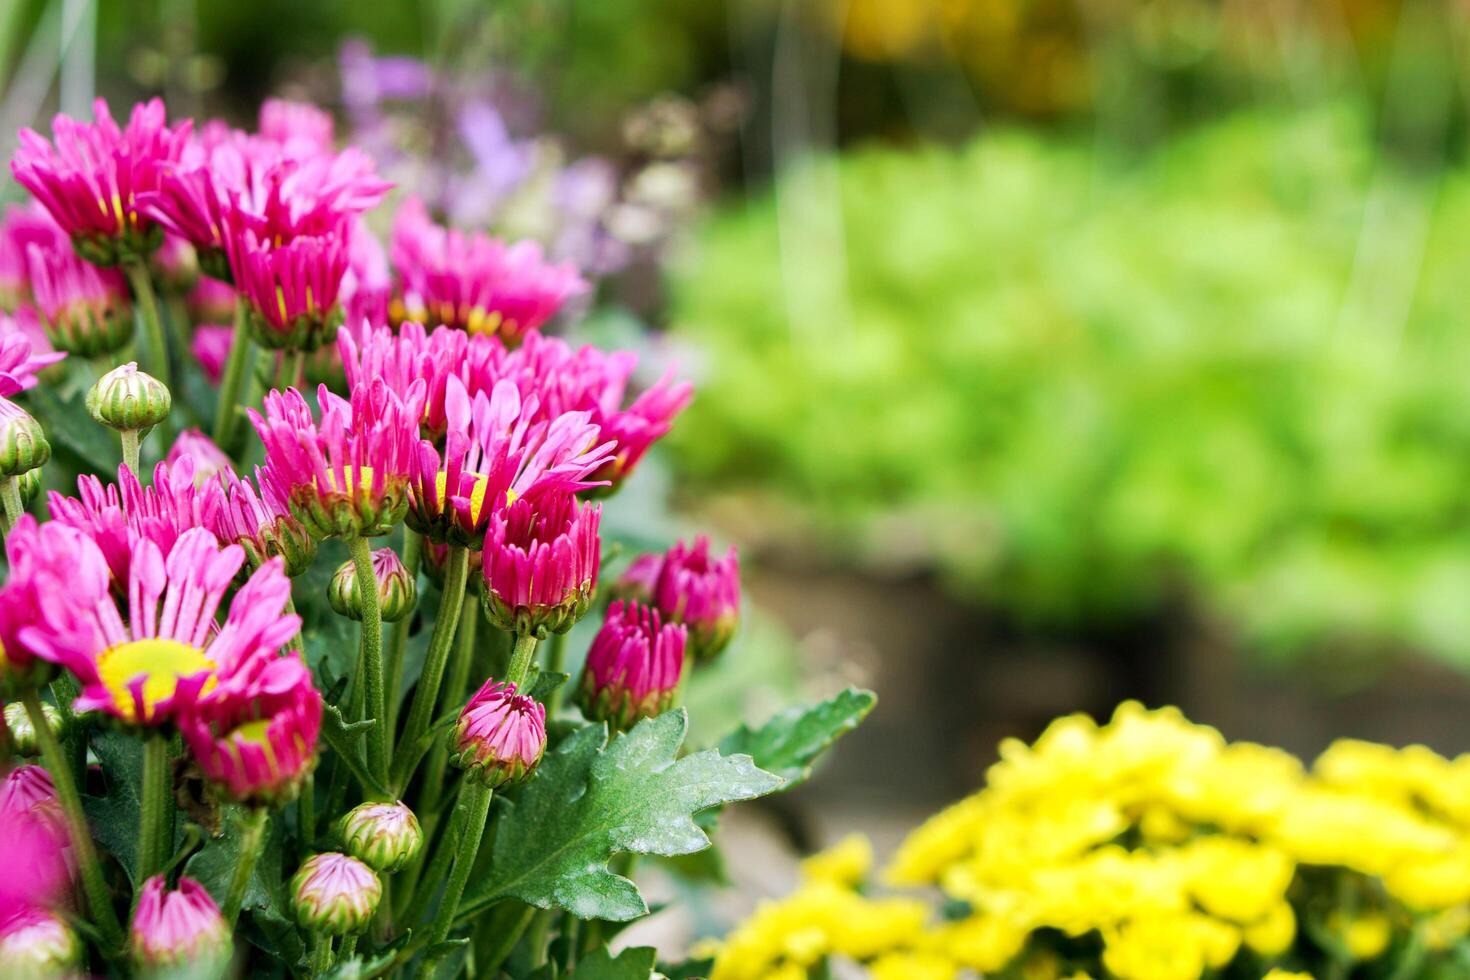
474 800
153 341
431 788
520 659
556 660
349 946
288 370
538 935
252 840
10 497
227 409
130 450
372 656
321 955
153 850
306 813
506 940
426 694
429 882
295 642
99 898
413 544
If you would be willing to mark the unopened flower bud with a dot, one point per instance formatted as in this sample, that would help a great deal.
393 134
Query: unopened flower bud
637 582
335 894
178 929
633 668
500 735
128 400
22 733
30 486
540 564
397 591
23 445
385 836
701 592
38 943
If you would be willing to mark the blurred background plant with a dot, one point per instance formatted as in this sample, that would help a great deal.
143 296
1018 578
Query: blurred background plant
1049 352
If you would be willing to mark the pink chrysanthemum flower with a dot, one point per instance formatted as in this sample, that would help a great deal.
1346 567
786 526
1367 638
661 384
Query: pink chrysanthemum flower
540 564
474 282
210 346
19 365
637 582
28 548
346 476
254 732
414 354
85 310
24 225
598 382
34 854
702 592
27 791
91 179
291 286
301 126
178 928
207 458
367 287
500 736
495 453
261 522
634 666
133 661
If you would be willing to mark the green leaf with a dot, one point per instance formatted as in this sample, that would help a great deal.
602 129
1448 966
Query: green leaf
114 817
592 799
342 738
70 429
688 970
547 683
790 743
631 964
213 866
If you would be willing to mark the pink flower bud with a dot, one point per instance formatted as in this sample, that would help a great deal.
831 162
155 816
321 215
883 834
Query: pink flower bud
175 928
397 591
501 735
634 666
385 836
702 593
335 894
540 564
38 943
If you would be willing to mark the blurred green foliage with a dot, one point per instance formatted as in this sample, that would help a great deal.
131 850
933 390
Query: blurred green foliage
1076 383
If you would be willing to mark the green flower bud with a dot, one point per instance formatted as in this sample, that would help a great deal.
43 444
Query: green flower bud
397 591
335 894
23 445
385 836
22 734
128 400
30 486
37 943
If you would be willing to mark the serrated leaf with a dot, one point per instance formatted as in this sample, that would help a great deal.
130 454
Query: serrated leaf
343 740
790 743
114 818
213 866
548 682
631 964
592 799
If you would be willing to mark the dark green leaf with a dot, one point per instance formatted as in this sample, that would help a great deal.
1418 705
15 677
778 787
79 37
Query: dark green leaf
213 866
114 817
276 935
344 742
790 743
688 970
592 799
631 964
71 430
548 682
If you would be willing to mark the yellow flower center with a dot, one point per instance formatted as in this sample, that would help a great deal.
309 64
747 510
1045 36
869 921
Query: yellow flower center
482 322
477 493
256 733
161 664
359 479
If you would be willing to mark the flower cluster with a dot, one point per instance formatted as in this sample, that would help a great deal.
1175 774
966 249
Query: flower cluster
1152 849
